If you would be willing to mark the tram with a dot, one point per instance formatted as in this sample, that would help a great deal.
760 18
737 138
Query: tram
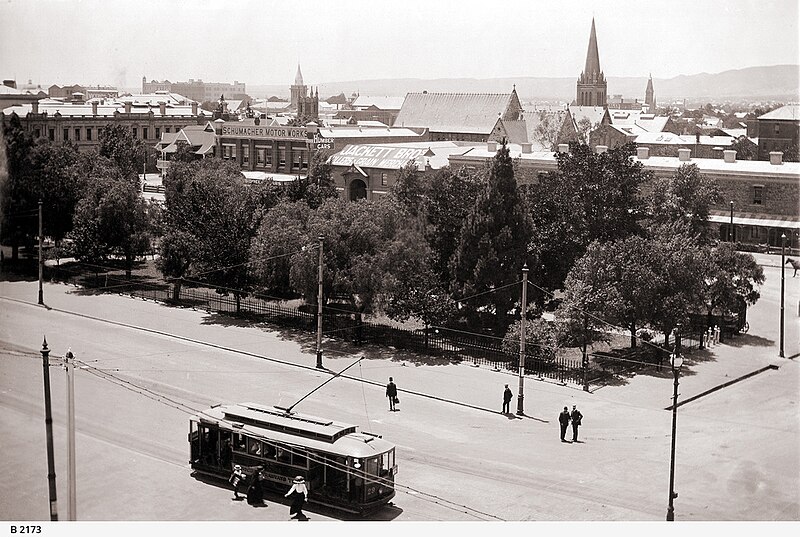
343 468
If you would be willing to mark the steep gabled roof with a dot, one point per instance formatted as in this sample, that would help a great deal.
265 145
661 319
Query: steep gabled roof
454 112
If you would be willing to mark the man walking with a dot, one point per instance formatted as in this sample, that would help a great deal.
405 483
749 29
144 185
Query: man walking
507 395
391 393
563 421
576 422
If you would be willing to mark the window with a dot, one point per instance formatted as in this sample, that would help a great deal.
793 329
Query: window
239 442
158 132
758 194
295 160
281 156
253 447
135 132
145 132
303 159
52 135
777 128
89 133
754 232
384 178
37 133
166 129
261 154
228 151
245 154
77 134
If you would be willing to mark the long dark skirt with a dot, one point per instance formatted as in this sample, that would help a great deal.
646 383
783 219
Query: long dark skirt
298 499
255 494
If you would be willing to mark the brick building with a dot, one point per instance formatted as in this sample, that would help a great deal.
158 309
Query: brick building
197 90
779 130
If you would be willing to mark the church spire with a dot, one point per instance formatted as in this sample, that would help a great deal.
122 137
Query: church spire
298 78
592 68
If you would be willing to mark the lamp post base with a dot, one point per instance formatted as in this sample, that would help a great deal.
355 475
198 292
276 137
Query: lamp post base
520 405
319 359
670 514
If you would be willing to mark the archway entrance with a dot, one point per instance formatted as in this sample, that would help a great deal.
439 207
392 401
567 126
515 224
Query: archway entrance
358 190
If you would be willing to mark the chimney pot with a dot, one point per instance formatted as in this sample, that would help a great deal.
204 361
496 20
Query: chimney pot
563 148
35 107
162 107
526 147
491 146
94 108
128 107
601 149
729 155
776 157
194 108
684 155
643 153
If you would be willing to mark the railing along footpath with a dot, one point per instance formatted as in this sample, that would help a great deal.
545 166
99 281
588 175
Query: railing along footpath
449 344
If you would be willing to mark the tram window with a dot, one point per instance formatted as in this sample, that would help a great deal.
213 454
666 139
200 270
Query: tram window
371 467
385 463
284 456
253 447
299 460
239 442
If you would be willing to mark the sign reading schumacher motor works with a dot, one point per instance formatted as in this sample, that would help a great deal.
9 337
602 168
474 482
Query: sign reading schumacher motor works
264 131
372 156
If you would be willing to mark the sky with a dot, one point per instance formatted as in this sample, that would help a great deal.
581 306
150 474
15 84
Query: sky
116 42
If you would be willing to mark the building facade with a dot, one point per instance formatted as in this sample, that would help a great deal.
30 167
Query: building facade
779 130
197 90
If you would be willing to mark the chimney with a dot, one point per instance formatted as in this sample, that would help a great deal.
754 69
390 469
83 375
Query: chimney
128 107
194 108
776 157
601 149
643 153
697 137
94 108
563 148
526 147
35 108
729 155
491 146
684 155
162 107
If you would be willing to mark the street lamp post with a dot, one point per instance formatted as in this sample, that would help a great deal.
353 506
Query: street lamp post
521 394
731 234
677 362
783 262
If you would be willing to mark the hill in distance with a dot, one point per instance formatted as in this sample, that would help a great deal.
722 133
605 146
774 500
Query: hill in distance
777 82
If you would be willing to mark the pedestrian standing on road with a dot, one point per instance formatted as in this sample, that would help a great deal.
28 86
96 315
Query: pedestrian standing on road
236 479
576 422
299 494
255 492
391 393
507 395
563 421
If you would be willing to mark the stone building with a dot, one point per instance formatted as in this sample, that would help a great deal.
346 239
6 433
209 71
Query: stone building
592 87
197 90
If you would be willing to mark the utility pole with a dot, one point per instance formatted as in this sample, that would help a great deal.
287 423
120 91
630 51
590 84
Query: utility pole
319 308
69 366
41 258
48 424
523 307
585 361
783 263
677 362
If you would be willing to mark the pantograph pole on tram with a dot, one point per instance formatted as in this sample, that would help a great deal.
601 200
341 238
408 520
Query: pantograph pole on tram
289 409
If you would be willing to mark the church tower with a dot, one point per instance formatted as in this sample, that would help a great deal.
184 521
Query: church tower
298 89
592 87
649 97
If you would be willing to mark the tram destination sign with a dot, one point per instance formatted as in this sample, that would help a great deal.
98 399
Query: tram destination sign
264 131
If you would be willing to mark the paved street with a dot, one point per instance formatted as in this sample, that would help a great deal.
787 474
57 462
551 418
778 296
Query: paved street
738 455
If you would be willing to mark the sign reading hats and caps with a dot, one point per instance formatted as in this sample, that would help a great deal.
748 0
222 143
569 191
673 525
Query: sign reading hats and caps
263 131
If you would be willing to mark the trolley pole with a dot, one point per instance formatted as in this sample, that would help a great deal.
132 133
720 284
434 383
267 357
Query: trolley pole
319 308
585 361
48 424
523 307
783 263
69 366
41 258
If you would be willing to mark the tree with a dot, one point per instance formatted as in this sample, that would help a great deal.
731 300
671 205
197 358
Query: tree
592 197
584 127
745 149
19 199
731 279
686 196
540 339
320 181
548 129
211 216
111 219
118 143
492 247
613 282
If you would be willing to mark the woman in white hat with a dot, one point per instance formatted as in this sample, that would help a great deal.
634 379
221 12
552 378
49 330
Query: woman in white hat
299 493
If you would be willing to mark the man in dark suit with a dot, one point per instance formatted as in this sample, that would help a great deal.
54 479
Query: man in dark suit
507 396
391 393
576 422
563 421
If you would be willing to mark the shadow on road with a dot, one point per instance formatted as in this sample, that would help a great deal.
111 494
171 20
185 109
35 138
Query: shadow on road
748 340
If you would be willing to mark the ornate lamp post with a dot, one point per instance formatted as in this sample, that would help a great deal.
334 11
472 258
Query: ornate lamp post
731 234
677 362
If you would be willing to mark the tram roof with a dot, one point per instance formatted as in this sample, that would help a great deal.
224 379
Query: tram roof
297 429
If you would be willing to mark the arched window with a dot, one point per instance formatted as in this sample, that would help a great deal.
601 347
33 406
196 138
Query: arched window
358 190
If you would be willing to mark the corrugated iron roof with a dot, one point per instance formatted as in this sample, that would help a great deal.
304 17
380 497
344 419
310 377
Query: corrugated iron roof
453 112
789 112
